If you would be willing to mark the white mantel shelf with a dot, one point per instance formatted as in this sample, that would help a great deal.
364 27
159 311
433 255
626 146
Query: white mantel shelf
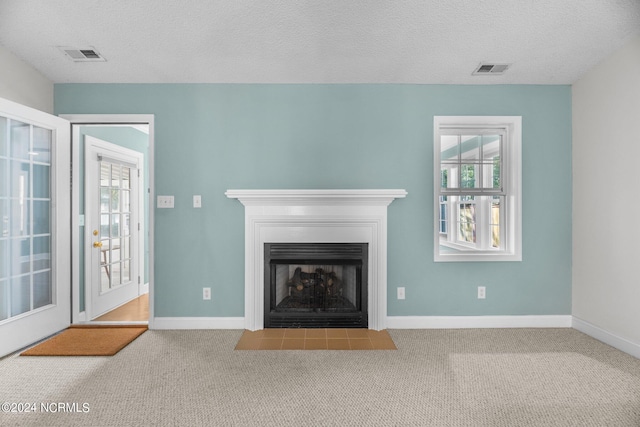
315 216
315 197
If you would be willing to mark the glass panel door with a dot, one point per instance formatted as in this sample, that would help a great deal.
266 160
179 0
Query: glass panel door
25 212
112 211
115 219
35 202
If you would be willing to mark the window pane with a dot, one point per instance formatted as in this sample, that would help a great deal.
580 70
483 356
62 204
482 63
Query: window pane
105 270
126 180
4 299
115 176
115 200
496 173
449 176
467 219
41 187
126 248
449 149
20 295
105 174
104 226
4 218
42 289
115 250
115 225
126 272
115 275
105 195
443 214
19 180
126 206
41 253
470 148
4 149
19 140
41 217
41 152
20 253
126 218
4 178
468 176
4 259
495 221
491 147
19 217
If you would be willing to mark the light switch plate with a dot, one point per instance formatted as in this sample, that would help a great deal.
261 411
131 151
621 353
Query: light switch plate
197 201
165 202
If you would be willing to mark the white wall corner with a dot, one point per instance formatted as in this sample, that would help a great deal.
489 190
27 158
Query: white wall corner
21 83
607 337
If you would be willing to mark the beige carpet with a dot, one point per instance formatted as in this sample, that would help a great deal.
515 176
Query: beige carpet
87 340
474 378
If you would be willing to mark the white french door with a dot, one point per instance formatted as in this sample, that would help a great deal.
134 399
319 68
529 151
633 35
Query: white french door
112 215
35 278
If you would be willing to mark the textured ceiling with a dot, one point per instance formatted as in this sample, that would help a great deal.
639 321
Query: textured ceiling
315 41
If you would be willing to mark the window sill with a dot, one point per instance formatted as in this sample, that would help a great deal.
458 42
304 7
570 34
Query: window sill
477 256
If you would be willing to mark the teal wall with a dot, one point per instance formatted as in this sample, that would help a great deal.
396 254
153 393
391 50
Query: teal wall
126 137
210 138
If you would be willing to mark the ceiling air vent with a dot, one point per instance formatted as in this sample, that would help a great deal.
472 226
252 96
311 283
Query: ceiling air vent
82 55
490 69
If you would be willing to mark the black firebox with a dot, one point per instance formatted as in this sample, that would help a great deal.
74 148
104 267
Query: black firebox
315 285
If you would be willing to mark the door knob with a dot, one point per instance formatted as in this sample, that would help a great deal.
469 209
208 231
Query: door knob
97 244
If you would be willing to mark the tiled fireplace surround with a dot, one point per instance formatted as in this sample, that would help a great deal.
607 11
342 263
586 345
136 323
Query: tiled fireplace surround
315 216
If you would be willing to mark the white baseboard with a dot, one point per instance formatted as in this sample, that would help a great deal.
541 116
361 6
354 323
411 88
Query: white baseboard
469 322
607 337
393 322
197 323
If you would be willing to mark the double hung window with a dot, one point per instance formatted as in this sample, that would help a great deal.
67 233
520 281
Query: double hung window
477 188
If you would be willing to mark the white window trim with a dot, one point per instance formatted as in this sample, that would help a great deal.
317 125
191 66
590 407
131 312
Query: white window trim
512 182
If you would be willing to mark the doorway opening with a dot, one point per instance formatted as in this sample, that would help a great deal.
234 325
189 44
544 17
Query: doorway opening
112 218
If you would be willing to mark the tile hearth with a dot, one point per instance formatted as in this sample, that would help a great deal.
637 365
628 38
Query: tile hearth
315 339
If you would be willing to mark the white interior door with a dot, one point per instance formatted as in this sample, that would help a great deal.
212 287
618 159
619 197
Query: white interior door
112 215
35 280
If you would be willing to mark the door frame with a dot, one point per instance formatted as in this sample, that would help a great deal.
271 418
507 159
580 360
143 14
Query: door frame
115 151
77 120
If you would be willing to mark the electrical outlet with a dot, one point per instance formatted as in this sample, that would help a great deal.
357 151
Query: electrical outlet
401 292
482 292
206 294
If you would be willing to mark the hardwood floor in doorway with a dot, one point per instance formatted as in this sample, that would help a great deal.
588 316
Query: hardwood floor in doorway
136 310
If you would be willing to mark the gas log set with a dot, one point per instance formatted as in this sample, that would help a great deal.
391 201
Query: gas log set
319 290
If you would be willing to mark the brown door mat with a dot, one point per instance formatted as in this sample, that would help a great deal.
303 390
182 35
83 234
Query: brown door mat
88 340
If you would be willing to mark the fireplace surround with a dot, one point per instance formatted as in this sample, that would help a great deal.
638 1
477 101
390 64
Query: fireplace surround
316 216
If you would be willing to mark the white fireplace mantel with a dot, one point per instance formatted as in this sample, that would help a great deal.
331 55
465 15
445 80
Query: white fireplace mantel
315 216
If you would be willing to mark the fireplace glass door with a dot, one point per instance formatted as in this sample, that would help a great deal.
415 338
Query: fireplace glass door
318 285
